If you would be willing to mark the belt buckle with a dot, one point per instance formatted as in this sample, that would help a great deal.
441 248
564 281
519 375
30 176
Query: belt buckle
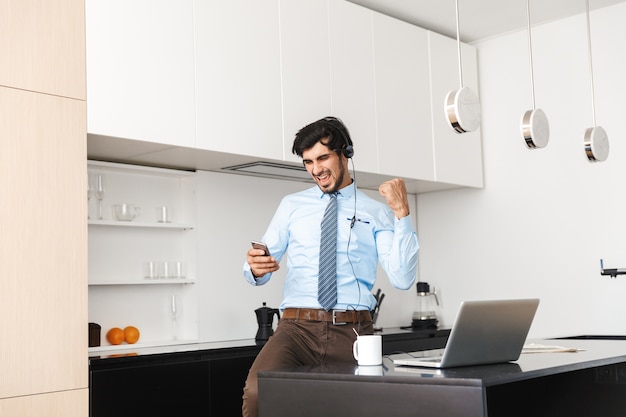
335 322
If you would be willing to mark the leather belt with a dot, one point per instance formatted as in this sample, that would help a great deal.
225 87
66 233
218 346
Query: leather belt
334 316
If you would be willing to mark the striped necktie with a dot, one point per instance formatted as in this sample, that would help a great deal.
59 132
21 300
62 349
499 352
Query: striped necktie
327 280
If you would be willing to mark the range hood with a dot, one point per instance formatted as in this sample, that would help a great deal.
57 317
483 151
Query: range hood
272 170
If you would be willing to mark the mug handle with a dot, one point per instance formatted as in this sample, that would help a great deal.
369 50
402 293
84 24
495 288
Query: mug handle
355 349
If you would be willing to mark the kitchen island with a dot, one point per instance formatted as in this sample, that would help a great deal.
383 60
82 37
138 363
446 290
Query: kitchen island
589 382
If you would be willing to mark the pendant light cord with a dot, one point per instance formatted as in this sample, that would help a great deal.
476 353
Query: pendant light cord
593 105
458 43
530 54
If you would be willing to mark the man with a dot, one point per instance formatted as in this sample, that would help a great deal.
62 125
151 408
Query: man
312 329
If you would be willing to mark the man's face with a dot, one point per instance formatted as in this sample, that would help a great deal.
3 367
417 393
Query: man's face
326 167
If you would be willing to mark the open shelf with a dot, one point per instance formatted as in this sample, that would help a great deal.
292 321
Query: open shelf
157 225
168 281
126 257
139 345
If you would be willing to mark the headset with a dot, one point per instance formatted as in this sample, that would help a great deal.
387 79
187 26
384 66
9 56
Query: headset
336 125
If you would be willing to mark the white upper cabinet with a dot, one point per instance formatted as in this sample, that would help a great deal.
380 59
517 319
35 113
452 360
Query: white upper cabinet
238 81
403 110
458 156
230 82
352 79
140 74
305 66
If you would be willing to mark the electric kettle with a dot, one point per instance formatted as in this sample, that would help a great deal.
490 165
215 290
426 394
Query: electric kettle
425 315
265 318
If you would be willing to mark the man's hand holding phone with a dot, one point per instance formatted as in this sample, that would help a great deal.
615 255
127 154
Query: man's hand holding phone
260 260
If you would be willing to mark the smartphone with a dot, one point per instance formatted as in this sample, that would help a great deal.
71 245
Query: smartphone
261 245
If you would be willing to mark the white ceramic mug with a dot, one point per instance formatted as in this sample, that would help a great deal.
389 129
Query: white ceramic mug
368 350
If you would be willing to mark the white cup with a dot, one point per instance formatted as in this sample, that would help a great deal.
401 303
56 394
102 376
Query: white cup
368 350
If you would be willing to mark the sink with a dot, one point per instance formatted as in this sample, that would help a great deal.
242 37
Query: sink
595 337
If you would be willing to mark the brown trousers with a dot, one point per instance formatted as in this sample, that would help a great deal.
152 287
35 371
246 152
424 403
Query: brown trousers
298 343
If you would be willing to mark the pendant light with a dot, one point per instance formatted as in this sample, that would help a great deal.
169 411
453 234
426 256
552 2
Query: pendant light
596 140
534 125
462 106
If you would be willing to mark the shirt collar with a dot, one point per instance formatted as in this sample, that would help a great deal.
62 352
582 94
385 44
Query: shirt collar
344 193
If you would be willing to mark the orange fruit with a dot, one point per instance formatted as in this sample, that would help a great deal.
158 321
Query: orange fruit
131 334
115 336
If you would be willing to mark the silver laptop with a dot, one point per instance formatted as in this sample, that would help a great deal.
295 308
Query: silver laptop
484 332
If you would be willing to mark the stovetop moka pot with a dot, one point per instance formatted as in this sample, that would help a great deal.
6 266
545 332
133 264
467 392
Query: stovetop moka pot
265 319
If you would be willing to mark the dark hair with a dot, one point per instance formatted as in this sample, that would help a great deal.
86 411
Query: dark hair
330 131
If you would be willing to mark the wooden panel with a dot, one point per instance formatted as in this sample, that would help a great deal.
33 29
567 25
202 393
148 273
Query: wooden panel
43 243
42 46
56 404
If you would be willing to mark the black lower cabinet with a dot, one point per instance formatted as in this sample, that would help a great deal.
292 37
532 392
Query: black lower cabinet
151 390
182 384
228 377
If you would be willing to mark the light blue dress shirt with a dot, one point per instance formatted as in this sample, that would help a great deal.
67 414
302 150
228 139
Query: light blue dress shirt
377 236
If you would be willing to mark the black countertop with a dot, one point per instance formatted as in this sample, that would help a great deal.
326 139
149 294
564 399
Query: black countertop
589 382
99 356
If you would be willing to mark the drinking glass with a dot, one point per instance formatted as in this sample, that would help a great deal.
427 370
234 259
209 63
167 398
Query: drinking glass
175 270
90 191
173 311
99 191
150 270
164 214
